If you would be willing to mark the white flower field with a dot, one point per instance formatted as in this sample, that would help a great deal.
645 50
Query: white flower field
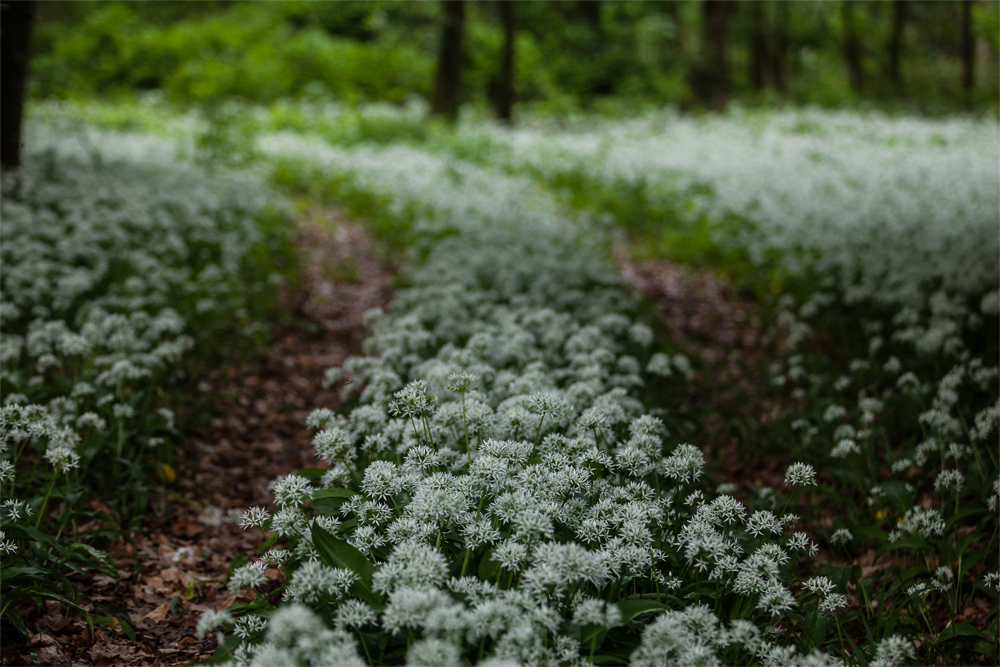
506 483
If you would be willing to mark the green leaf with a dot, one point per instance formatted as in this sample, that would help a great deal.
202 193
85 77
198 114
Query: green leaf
15 572
963 629
913 542
312 474
257 605
100 556
984 648
49 595
964 542
222 654
18 625
609 659
333 493
813 630
112 621
632 608
488 566
969 561
336 552
899 496
960 516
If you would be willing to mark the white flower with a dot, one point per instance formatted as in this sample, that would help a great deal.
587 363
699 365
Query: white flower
800 474
313 582
684 464
211 620
894 651
821 585
844 448
250 575
290 490
948 479
763 521
841 535
354 614
255 517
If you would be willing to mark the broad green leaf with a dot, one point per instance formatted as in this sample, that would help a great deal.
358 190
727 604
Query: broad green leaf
312 474
899 496
913 542
18 624
963 629
961 516
101 556
336 552
15 572
333 493
632 608
488 567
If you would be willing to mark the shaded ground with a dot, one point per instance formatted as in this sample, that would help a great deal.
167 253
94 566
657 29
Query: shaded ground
176 567
705 314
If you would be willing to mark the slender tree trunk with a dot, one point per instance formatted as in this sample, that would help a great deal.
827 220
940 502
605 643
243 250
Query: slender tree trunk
15 49
968 50
590 10
710 76
448 82
985 61
852 48
758 49
780 47
505 88
896 42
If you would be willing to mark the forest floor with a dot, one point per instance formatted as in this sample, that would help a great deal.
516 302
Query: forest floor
176 567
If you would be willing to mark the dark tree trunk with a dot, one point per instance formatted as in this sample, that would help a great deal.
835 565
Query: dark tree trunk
852 48
448 82
710 77
896 42
780 48
16 20
505 86
590 10
968 49
758 48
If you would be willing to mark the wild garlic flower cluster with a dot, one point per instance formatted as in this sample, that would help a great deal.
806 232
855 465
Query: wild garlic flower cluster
116 260
499 492
896 212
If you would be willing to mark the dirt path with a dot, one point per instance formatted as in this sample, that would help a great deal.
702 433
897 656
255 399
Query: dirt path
177 565
704 313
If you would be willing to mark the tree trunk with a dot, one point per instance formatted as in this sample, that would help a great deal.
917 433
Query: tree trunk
590 10
896 42
505 87
780 48
758 49
15 49
448 82
852 48
968 59
710 77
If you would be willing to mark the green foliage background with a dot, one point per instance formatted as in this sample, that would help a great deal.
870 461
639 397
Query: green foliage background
609 56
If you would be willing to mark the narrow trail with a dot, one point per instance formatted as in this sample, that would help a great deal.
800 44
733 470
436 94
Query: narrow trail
175 568
705 314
